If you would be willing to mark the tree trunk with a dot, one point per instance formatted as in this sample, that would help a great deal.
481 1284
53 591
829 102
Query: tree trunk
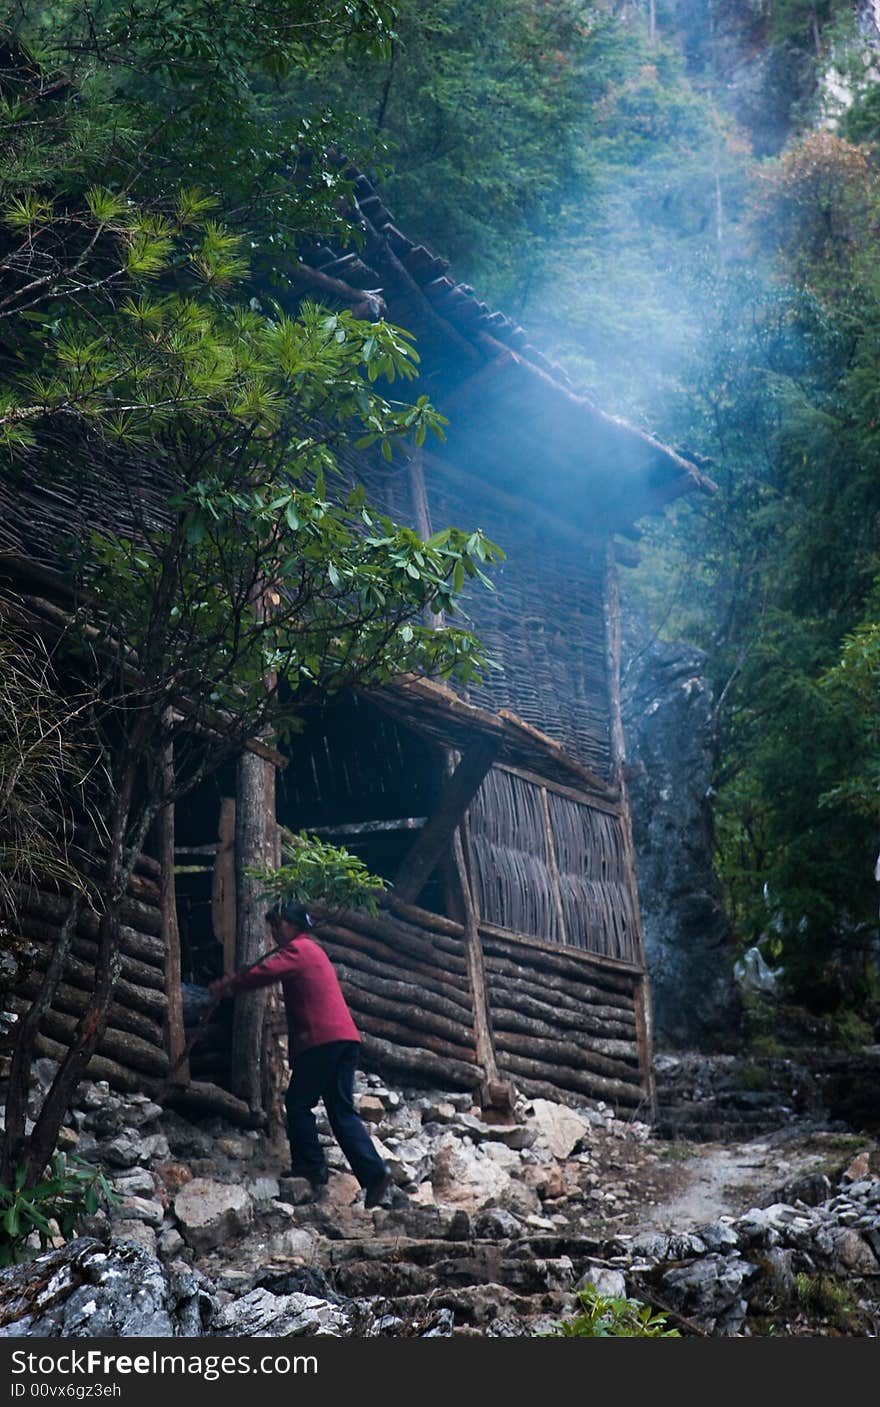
255 806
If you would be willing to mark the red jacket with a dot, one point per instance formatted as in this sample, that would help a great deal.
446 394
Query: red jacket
316 1009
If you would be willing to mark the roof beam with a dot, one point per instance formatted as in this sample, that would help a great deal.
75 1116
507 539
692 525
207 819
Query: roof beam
435 838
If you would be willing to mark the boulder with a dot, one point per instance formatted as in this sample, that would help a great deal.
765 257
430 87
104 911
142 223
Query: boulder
557 1128
211 1213
93 1289
710 1290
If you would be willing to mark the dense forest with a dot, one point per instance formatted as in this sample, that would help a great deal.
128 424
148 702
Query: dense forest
680 201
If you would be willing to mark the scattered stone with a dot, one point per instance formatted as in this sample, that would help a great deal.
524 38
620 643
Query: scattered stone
150 1212
371 1108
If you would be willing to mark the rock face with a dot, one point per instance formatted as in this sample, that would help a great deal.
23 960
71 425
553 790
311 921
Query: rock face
667 706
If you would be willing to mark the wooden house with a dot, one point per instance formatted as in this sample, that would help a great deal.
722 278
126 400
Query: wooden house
510 950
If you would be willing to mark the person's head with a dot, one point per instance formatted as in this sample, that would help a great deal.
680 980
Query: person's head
291 912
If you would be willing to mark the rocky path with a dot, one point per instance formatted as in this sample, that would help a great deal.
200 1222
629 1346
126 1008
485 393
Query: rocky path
489 1230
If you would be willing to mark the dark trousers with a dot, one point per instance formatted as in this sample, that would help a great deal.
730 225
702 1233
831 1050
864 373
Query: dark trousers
327 1072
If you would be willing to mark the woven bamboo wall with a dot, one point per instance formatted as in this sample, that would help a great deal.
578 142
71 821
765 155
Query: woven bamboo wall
518 880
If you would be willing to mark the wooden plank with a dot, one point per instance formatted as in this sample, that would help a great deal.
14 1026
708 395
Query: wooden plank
583 798
576 955
435 838
551 864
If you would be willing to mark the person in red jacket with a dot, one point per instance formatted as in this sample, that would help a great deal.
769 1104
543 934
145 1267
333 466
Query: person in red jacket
323 1048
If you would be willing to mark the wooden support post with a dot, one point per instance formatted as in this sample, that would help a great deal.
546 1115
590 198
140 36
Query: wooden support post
223 886
485 1046
644 1036
434 839
255 805
175 1036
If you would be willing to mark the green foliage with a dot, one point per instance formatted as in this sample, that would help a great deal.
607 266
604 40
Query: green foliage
606 1317
317 873
70 1190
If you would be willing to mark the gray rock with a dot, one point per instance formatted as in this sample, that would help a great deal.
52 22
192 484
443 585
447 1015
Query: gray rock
514 1136
263 1189
718 1236
710 1290
123 1151
90 1289
133 1229
605 1280
136 1182
557 1128
156 1147
211 1213
667 715
143 1209
170 1243
497 1224
262 1314
851 1253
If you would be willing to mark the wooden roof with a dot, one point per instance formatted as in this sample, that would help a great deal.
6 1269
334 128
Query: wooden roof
436 711
516 419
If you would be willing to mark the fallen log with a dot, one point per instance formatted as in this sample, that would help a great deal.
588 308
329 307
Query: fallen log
580 992
385 952
564 1053
404 938
196 1098
81 974
401 1035
51 907
589 969
121 1046
375 969
419 997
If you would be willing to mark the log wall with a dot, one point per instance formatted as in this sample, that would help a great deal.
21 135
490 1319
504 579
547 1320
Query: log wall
135 1039
563 1025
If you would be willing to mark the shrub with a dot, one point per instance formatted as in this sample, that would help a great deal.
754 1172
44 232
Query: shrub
70 1190
604 1317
